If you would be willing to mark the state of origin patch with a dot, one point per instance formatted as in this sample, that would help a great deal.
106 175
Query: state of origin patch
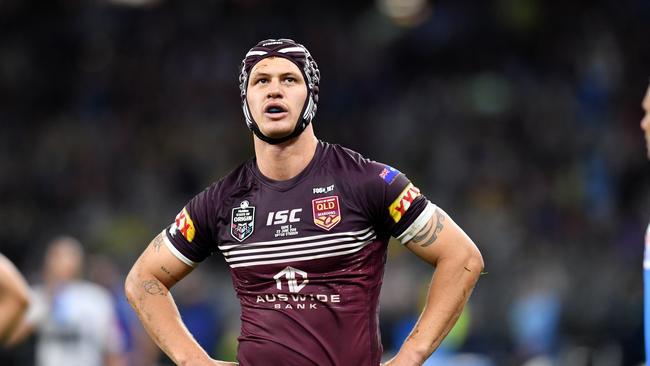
327 212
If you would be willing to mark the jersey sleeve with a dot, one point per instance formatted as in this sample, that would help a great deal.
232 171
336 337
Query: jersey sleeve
190 237
395 204
38 308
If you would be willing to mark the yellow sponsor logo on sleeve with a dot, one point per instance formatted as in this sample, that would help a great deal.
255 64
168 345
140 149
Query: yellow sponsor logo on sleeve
185 225
398 208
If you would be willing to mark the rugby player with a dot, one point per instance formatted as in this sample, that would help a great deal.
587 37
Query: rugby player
304 227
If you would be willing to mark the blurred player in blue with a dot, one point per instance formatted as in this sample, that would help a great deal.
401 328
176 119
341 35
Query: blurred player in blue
645 126
74 320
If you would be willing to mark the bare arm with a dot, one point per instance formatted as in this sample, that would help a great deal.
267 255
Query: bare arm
458 265
147 289
14 298
115 360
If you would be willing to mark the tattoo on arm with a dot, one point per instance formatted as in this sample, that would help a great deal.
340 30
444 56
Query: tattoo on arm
424 233
157 243
429 233
153 287
164 269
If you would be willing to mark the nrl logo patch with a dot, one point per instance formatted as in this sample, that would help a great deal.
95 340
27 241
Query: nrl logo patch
242 221
327 212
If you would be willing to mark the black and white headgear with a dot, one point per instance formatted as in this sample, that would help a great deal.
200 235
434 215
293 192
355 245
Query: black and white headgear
300 56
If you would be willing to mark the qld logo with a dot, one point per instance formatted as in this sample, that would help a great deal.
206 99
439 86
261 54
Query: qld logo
242 221
290 273
327 212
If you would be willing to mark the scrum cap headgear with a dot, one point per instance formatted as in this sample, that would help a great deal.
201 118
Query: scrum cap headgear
300 56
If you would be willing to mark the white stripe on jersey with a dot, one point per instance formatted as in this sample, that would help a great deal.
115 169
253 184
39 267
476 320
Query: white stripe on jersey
289 250
297 252
294 246
296 240
310 257
175 251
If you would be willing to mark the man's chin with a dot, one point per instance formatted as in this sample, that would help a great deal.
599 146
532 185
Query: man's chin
276 133
278 129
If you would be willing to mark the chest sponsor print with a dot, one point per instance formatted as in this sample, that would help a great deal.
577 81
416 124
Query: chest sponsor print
321 190
327 212
242 221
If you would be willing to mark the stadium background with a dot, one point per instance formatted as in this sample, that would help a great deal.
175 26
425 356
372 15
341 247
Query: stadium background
519 117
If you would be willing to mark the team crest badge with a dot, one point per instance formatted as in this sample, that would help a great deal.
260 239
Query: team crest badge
242 221
327 212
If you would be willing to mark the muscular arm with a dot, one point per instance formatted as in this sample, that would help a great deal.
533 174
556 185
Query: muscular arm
14 298
458 265
147 289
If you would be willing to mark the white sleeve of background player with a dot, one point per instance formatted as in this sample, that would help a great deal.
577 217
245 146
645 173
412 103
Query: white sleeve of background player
175 251
39 307
418 224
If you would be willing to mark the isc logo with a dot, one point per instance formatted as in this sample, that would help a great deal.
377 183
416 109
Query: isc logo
282 217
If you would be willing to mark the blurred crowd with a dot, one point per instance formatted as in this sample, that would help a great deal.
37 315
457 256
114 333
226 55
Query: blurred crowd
519 117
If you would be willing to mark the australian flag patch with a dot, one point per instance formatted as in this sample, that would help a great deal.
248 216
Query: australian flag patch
389 174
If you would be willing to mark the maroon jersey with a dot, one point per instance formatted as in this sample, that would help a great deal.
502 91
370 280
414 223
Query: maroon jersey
306 255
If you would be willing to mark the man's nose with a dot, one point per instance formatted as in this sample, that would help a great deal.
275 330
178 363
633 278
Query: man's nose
274 90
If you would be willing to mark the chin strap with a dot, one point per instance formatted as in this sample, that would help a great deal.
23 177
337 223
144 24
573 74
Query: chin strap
300 126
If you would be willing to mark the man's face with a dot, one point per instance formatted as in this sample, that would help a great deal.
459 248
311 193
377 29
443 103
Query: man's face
276 94
63 260
645 122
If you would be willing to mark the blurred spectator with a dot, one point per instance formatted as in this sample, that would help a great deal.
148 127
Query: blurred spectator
198 312
74 319
139 349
